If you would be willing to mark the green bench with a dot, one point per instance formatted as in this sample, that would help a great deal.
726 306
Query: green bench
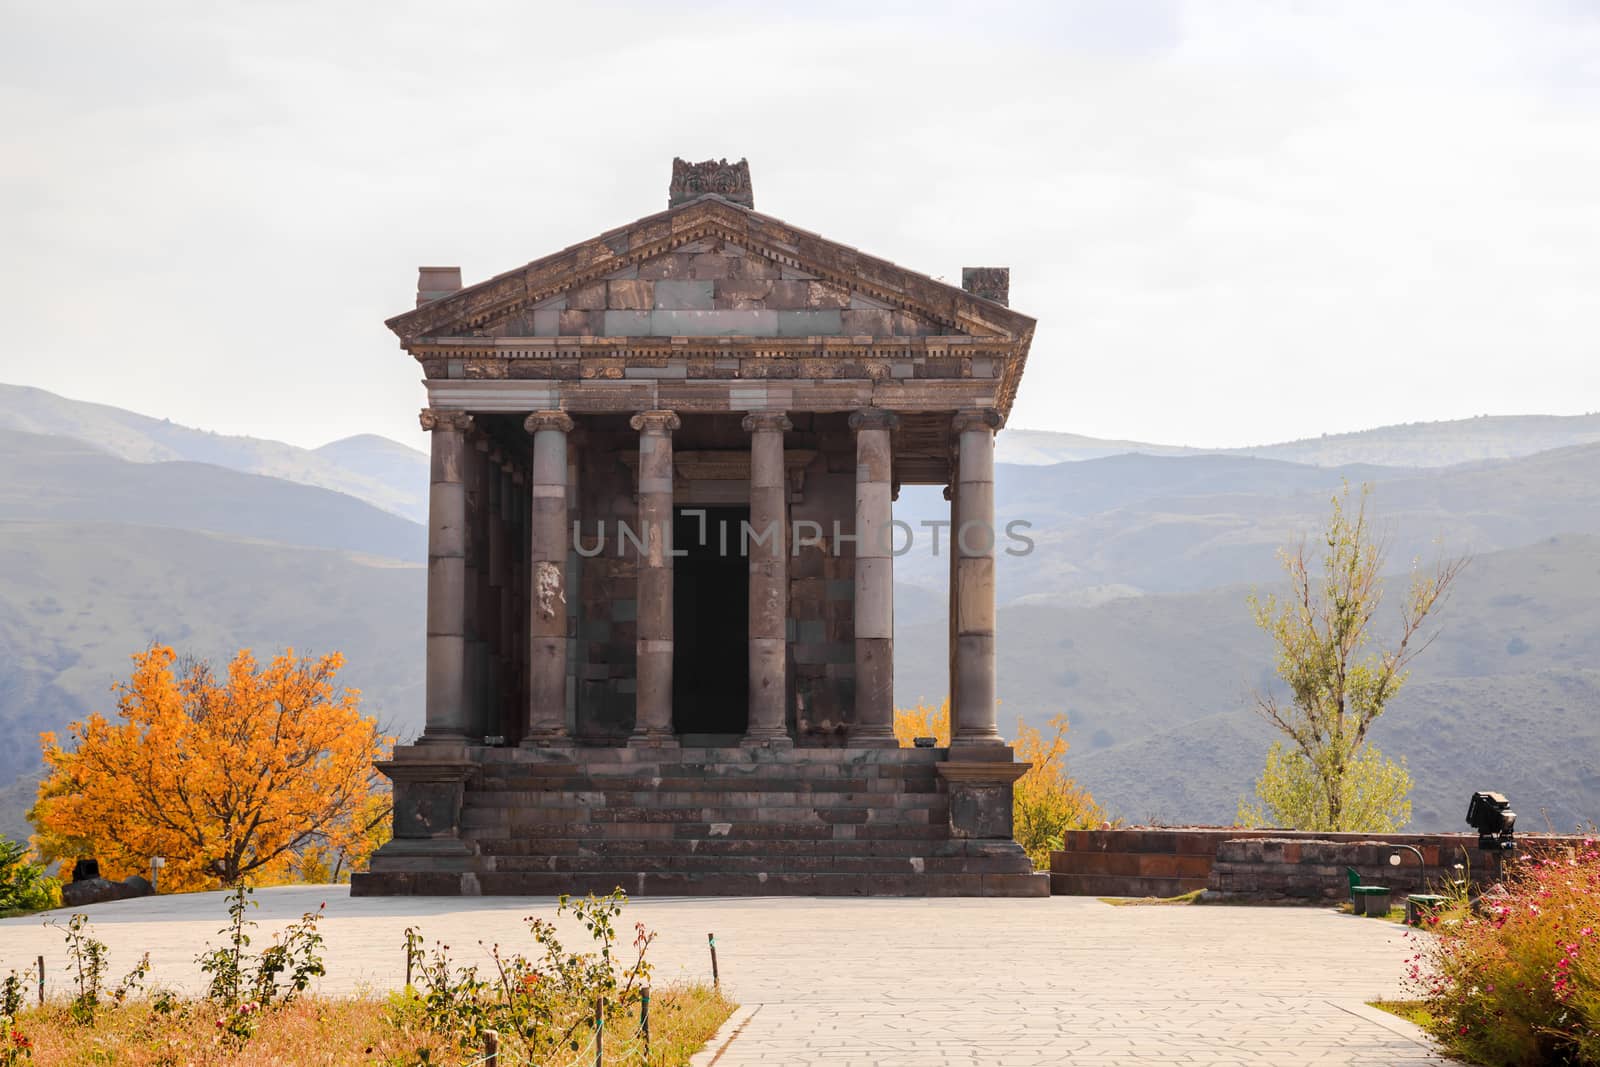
1367 899
1420 904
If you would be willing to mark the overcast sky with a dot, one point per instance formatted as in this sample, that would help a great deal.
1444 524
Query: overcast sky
1235 222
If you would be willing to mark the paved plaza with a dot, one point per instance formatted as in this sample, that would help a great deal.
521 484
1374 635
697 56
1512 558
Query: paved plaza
1060 980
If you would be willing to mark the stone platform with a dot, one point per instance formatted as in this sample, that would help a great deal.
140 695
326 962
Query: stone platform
661 821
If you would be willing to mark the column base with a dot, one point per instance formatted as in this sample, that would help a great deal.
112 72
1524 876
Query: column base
783 741
547 739
653 740
981 746
873 738
458 738
980 797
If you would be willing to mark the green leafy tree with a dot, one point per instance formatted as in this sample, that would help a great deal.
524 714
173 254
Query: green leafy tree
1376 794
1325 776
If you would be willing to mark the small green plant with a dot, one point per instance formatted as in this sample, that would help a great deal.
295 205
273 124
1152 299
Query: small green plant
24 885
245 986
13 991
89 966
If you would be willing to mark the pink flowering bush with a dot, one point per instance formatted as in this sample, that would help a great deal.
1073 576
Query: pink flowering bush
1516 980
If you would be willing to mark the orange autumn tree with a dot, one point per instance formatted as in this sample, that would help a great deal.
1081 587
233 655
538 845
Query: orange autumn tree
226 778
1046 801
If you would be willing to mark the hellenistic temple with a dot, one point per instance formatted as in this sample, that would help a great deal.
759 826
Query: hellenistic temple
660 619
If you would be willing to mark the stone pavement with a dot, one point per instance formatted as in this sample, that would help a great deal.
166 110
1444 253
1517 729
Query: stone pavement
1061 980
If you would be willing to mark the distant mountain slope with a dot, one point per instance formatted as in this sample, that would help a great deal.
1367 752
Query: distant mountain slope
1417 444
57 478
1153 524
389 462
1159 687
1031 447
390 484
79 598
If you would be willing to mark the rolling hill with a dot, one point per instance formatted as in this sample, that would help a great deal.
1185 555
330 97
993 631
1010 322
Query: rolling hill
1416 444
60 479
392 477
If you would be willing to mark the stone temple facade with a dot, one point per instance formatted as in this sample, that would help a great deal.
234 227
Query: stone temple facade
661 567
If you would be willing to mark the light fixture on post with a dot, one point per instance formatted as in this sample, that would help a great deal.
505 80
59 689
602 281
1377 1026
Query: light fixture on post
1490 814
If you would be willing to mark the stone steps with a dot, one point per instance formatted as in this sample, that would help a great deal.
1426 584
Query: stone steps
711 822
693 863
654 883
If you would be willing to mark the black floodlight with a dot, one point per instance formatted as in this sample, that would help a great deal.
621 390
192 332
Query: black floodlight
1490 814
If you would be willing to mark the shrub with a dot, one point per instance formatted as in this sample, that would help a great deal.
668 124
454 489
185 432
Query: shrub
1515 978
244 985
548 1005
23 884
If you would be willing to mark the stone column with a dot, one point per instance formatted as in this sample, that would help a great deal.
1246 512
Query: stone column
769 581
446 714
547 593
653 700
874 571
473 461
973 703
953 591
493 611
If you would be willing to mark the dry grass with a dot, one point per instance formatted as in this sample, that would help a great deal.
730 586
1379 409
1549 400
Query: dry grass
1412 1011
1180 899
332 1032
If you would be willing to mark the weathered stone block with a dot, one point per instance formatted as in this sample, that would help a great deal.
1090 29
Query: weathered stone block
591 297
742 295
686 323
710 265
792 295
678 294
872 322
628 324
630 295
576 322
826 295
808 323
672 265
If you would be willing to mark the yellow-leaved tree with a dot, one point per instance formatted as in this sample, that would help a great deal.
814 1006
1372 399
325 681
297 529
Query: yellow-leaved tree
262 774
1046 801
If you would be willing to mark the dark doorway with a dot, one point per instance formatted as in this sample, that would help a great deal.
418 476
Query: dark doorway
710 623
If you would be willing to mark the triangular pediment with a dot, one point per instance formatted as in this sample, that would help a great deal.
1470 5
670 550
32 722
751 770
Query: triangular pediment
711 268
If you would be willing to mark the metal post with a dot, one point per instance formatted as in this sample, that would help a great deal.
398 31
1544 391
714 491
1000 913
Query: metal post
41 981
644 1020
491 1048
716 980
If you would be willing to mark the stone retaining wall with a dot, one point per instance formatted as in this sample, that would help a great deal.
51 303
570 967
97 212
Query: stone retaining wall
1159 862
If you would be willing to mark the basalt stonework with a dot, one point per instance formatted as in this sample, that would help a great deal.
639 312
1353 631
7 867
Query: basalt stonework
660 593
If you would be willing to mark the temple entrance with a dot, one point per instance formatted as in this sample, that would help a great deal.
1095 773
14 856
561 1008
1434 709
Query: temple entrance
710 625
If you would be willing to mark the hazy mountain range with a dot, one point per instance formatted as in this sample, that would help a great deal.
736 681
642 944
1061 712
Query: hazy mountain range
117 529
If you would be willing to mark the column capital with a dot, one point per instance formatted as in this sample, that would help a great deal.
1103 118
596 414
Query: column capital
767 420
976 419
434 419
656 422
548 420
873 419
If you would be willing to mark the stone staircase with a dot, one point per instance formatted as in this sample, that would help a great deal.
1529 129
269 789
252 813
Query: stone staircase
720 821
